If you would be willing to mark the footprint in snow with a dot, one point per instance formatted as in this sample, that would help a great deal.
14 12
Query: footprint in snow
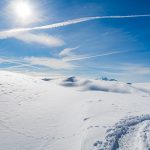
95 101
85 119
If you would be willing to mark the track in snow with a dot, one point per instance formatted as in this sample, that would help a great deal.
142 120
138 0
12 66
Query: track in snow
132 133
137 138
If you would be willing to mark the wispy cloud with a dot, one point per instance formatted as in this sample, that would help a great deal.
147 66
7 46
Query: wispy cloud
25 35
137 69
16 63
42 39
68 55
36 63
77 58
66 23
49 62
53 63
128 71
9 60
64 62
67 52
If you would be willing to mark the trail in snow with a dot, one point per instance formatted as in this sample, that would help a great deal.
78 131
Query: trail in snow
137 138
132 133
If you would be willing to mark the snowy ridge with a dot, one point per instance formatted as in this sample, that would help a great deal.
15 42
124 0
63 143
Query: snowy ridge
123 127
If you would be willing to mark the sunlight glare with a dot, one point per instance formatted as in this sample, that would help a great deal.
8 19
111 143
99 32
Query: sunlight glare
23 10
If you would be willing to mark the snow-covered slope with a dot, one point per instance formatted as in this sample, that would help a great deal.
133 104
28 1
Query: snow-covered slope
50 115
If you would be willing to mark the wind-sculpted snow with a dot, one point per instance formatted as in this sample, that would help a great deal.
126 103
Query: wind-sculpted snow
124 127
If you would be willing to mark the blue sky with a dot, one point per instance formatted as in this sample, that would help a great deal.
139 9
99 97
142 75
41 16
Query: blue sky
79 44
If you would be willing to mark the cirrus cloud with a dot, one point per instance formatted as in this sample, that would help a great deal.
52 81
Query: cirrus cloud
49 62
42 39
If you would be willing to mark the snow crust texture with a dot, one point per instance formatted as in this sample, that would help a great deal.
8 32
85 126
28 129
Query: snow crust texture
131 133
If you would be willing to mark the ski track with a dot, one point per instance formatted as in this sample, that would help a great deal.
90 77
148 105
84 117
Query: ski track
131 133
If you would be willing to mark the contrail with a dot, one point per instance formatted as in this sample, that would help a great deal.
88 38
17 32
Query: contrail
93 56
16 63
8 33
